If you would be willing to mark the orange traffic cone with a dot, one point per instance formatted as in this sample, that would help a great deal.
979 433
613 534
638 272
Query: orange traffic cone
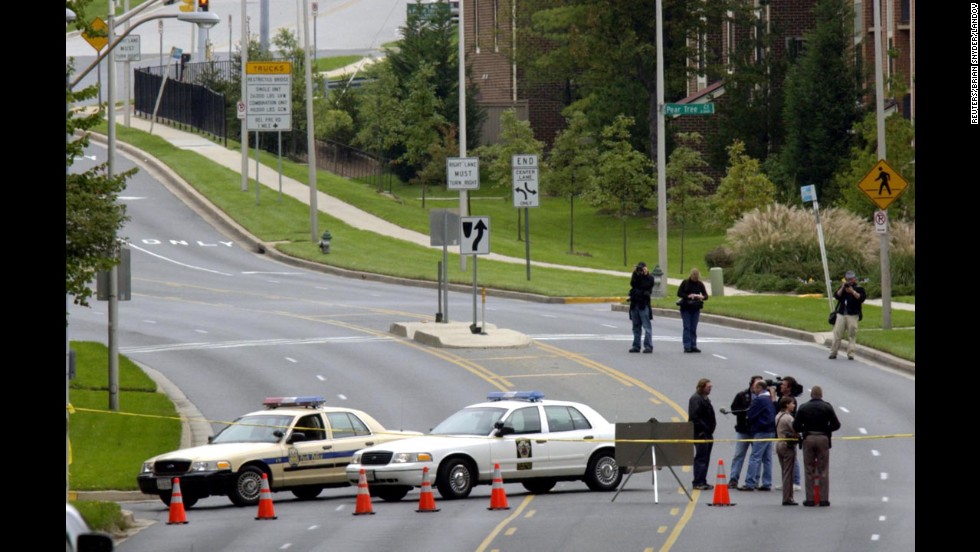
498 497
721 488
363 505
266 510
177 514
427 502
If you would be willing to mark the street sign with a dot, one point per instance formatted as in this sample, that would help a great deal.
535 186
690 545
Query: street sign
689 109
99 37
525 171
176 54
881 222
474 236
315 7
809 193
444 226
463 173
240 112
883 185
268 99
128 49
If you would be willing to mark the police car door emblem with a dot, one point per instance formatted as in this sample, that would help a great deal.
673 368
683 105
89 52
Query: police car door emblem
293 457
524 451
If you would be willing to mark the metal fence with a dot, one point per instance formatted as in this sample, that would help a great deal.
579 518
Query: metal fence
183 103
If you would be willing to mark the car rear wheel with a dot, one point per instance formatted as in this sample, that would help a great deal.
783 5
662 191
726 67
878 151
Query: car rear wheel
307 493
390 494
603 474
539 486
455 479
246 487
188 500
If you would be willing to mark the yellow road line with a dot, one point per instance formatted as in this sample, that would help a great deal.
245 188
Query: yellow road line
493 534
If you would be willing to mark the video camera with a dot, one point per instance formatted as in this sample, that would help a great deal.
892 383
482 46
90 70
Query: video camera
796 390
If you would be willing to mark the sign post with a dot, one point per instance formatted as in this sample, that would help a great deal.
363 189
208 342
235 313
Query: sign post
268 102
525 172
809 194
474 239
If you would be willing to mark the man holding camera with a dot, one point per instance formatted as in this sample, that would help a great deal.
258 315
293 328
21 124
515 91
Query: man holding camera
849 298
641 288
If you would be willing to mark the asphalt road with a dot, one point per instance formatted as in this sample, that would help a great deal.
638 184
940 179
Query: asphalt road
230 327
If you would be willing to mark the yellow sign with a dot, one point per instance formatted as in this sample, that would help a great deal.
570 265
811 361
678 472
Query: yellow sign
883 185
98 35
188 6
269 68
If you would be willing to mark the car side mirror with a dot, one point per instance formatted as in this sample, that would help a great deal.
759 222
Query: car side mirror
502 429
210 439
297 437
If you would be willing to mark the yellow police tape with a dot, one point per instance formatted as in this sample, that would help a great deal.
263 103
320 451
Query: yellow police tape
73 410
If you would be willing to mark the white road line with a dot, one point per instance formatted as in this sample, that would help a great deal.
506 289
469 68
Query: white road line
845 410
766 371
285 546
884 476
178 263
321 287
874 537
875 453
882 518
884 499
312 527
290 359
664 338
862 431
719 356
608 325
150 321
548 316
201 331
253 343
321 378
342 397
250 272
339 508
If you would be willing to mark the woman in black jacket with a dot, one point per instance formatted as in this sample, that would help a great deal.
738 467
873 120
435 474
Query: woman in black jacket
692 295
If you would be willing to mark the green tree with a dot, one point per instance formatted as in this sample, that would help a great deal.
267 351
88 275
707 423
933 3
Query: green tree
421 118
571 166
432 41
821 103
516 137
623 181
93 215
378 116
744 187
685 184
899 136
434 172
605 53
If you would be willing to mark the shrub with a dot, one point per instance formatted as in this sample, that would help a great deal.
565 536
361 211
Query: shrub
781 242
720 256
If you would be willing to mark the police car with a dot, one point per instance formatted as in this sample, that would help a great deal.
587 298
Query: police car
300 444
537 442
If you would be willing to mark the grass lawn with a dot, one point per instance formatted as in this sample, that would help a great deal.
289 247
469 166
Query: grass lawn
108 448
101 516
331 63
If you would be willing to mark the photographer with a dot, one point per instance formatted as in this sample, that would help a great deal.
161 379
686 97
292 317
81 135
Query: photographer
849 296
641 288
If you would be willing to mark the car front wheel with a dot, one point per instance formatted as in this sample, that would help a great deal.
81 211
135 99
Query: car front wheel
307 493
246 487
539 486
455 479
602 473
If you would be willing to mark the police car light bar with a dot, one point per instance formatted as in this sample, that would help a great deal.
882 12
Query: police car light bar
309 401
530 396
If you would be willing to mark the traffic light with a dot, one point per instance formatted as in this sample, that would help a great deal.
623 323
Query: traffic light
186 5
202 5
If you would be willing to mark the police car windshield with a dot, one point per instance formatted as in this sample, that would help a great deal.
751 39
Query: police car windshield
254 429
470 421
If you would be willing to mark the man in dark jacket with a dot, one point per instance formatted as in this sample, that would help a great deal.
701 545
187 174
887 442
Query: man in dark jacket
702 414
815 421
849 297
641 287
762 424
740 408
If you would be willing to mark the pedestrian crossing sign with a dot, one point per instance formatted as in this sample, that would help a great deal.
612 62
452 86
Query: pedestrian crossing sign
883 184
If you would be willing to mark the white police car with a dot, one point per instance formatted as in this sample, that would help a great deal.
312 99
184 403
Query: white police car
301 445
536 441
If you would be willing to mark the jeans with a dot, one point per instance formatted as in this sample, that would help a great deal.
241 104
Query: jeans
741 447
761 455
702 457
641 324
690 335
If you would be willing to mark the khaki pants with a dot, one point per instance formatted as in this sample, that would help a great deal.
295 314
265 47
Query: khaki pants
846 324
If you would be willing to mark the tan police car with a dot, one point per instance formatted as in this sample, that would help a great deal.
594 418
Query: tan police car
300 444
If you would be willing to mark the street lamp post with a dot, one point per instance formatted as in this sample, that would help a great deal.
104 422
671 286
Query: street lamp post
204 19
